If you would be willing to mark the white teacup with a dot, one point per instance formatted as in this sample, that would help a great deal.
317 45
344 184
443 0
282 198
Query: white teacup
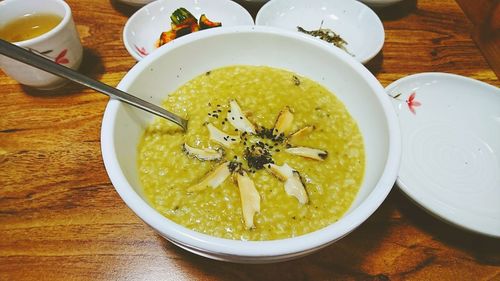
61 44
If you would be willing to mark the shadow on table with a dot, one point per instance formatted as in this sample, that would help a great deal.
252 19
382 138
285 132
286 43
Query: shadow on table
343 259
251 6
396 11
91 66
485 249
123 8
375 64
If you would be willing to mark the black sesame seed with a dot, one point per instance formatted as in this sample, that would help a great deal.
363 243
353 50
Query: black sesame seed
241 118
232 118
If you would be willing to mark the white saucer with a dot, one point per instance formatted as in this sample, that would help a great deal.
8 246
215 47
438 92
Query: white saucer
357 24
451 148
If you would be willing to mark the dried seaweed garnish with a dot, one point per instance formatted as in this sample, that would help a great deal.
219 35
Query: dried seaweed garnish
266 133
235 166
327 35
258 155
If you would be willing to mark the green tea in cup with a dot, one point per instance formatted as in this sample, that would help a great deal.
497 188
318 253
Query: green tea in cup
42 27
28 26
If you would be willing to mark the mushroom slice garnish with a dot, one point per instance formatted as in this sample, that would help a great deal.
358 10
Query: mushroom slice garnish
221 137
293 183
307 152
214 178
295 187
301 133
250 198
281 172
205 154
283 122
236 117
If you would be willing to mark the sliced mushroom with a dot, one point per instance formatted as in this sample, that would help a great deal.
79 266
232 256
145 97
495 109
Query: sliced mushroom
283 122
295 187
250 198
236 117
214 178
293 183
301 133
221 137
205 154
307 152
281 172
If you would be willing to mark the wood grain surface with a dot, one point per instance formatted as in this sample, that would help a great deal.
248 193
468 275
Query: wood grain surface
61 219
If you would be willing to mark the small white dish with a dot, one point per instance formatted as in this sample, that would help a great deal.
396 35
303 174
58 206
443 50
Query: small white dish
357 24
380 3
450 127
144 27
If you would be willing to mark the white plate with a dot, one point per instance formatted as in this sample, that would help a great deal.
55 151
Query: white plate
450 127
145 26
357 24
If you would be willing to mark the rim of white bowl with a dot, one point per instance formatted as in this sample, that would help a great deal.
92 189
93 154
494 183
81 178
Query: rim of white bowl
126 40
238 250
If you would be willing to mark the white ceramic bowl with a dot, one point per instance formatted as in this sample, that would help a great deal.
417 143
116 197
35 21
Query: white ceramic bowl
356 23
144 27
166 69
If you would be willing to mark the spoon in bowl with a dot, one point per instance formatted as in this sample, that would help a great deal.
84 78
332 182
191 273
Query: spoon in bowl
17 53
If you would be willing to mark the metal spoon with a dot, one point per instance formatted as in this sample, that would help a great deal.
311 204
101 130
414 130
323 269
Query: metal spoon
17 53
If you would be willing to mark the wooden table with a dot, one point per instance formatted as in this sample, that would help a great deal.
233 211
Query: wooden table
61 219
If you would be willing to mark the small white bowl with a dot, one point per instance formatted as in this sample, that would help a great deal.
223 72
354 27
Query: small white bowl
174 64
357 24
144 27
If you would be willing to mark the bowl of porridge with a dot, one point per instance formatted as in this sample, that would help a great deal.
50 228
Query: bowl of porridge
291 144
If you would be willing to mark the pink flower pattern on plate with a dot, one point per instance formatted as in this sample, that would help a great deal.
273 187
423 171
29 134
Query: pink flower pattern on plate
412 103
142 51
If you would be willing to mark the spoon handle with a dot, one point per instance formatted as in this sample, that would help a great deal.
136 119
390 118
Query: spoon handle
20 54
